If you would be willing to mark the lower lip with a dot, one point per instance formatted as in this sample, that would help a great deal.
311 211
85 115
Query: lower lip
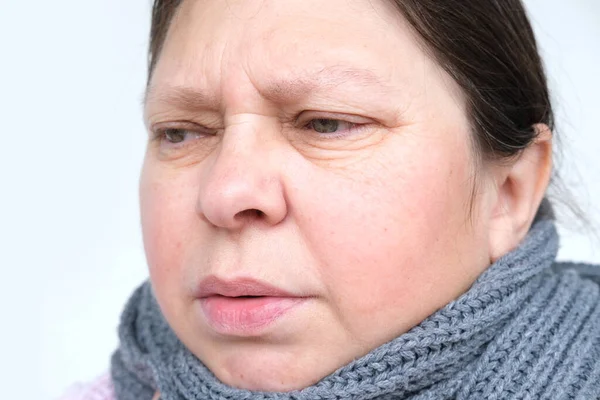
246 316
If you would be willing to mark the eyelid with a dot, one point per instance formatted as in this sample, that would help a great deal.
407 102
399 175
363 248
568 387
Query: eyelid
158 128
307 116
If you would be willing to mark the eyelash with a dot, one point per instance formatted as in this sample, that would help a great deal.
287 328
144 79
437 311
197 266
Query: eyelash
162 133
334 135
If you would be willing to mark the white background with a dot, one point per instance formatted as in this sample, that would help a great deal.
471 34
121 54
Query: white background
72 75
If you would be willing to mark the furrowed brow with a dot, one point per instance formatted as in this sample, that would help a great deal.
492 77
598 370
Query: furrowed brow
285 90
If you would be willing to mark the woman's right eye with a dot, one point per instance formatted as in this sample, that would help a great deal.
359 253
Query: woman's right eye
175 136
173 140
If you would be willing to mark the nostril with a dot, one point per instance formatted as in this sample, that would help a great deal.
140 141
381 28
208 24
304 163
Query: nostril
250 214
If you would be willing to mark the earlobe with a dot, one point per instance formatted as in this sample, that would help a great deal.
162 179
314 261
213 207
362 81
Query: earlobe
521 188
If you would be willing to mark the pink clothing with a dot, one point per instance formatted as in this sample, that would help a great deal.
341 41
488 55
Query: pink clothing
99 389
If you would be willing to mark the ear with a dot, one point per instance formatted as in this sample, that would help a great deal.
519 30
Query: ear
520 188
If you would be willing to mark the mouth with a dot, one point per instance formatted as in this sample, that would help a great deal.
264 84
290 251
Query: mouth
244 307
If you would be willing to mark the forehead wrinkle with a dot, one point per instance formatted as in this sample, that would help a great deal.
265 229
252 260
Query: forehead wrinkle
294 88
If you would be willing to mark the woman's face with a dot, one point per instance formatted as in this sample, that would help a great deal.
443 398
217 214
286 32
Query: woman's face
312 146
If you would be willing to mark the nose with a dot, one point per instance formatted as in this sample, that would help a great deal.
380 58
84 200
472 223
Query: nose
243 183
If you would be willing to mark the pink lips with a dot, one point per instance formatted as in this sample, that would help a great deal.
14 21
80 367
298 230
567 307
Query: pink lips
243 307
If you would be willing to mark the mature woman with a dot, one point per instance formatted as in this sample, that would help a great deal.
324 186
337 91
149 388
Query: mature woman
347 200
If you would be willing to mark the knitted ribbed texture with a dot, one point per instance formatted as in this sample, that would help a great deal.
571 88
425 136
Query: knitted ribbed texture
526 329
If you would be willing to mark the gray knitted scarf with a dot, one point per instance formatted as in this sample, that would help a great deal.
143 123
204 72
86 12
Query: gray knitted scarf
528 328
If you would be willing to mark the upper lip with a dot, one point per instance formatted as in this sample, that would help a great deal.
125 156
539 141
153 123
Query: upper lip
213 286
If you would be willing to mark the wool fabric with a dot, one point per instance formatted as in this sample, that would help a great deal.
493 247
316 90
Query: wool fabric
528 328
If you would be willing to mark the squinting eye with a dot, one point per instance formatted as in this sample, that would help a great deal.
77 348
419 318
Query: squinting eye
174 136
326 125
177 137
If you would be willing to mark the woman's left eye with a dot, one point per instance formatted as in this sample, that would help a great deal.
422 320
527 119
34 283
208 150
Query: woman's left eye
328 125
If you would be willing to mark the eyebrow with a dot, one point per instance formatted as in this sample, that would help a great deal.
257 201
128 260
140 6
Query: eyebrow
289 89
179 96
283 90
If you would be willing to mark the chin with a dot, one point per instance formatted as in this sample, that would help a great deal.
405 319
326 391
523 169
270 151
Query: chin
265 370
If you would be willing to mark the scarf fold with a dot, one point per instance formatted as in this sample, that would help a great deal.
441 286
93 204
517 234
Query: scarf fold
526 329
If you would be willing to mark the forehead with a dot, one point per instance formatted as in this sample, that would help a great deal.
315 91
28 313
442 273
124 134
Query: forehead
267 38
266 17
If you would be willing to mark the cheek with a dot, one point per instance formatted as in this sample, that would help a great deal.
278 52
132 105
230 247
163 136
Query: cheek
392 230
166 205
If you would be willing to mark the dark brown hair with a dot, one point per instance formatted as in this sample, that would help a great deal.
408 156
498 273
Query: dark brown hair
489 48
